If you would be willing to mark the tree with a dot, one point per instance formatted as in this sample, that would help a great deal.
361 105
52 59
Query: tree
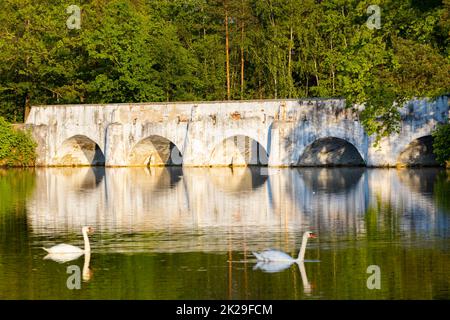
172 50
441 144
121 54
35 54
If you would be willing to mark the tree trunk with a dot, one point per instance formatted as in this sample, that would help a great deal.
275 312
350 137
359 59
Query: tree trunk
333 74
291 40
27 63
27 107
275 83
227 48
242 61
317 72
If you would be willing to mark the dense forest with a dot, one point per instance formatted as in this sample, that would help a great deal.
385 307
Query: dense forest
173 50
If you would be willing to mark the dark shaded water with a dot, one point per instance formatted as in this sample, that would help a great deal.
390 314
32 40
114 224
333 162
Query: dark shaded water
188 234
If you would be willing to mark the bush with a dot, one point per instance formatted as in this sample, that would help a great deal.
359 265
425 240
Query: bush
17 148
441 143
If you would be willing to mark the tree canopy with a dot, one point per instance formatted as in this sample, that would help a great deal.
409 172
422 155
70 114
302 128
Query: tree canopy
174 50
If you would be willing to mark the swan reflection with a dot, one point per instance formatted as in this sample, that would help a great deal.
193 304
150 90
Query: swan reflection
273 267
307 288
279 266
87 273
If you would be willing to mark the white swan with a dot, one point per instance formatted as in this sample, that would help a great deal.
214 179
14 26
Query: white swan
66 257
63 257
279 256
72 250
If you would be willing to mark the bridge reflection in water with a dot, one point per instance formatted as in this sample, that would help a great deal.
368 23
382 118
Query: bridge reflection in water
136 209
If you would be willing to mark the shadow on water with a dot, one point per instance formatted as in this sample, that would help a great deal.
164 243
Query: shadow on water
332 180
441 190
167 177
420 180
93 178
237 179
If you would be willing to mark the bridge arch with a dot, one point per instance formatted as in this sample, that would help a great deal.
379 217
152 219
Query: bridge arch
419 152
331 151
239 150
155 150
79 150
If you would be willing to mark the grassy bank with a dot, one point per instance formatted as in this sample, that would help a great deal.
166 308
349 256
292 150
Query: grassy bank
17 148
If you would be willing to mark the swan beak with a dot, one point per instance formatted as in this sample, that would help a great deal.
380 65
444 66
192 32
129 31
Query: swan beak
91 230
313 235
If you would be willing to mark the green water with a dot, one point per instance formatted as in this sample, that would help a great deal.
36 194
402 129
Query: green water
189 234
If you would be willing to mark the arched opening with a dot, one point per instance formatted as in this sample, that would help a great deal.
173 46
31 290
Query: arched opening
331 152
418 153
155 151
79 151
239 151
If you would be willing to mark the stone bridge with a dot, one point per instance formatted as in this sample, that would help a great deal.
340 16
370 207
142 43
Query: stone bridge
238 133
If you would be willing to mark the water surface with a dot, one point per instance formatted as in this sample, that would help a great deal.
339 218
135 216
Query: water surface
172 233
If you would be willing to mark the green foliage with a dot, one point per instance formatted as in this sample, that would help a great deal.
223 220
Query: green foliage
17 148
441 143
172 50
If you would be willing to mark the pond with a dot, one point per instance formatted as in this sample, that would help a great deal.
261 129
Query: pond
189 233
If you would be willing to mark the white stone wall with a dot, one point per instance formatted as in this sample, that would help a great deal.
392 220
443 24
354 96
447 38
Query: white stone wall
283 128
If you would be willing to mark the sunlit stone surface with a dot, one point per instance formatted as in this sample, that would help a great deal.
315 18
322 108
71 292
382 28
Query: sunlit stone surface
267 132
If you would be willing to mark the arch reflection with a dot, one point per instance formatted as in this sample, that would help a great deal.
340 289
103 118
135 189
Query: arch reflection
179 209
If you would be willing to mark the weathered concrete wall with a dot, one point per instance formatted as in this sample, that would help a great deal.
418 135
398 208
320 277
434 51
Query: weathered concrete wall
272 132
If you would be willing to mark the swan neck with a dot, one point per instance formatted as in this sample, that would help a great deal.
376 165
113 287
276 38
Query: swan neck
87 245
301 253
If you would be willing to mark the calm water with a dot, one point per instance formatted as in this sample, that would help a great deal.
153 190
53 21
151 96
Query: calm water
188 234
